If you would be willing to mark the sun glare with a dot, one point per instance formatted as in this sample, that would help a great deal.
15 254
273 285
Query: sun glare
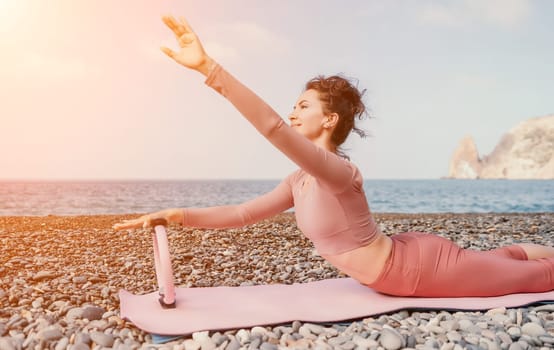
10 13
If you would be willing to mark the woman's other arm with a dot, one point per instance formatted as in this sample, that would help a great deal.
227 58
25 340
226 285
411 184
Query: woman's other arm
257 209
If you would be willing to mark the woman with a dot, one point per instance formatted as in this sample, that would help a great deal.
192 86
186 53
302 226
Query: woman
330 205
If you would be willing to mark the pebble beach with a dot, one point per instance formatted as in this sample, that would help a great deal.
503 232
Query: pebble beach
60 277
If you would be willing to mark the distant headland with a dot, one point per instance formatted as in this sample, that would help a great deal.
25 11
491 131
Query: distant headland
525 152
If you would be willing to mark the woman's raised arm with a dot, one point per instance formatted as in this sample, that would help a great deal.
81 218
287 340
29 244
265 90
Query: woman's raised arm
333 171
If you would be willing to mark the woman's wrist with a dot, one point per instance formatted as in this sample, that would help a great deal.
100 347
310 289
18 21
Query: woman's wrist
174 215
207 66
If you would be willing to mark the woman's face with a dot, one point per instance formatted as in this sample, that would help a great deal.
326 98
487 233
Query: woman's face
308 117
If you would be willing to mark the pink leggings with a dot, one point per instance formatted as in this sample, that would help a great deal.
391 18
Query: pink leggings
427 265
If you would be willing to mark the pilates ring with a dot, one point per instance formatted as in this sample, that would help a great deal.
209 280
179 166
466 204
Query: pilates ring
162 262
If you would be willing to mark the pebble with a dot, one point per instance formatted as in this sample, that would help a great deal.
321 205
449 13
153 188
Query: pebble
62 344
43 275
532 329
243 336
465 325
391 339
516 346
80 346
233 345
6 344
93 313
83 338
268 346
50 333
38 303
102 339
74 314
191 344
454 336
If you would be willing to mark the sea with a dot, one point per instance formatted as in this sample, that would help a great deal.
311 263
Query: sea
38 198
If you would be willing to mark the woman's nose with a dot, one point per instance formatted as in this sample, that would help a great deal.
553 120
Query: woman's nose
292 117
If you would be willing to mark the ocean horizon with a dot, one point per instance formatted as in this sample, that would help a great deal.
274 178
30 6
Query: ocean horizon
96 197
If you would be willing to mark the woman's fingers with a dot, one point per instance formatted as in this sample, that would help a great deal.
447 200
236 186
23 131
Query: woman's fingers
142 222
185 24
179 28
168 52
122 226
174 25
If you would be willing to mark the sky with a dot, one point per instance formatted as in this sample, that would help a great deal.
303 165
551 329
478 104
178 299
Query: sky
86 93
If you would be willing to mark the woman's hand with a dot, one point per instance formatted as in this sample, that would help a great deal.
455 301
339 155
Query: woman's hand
191 53
145 221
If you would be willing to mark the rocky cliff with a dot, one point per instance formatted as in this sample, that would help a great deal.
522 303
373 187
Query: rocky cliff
525 152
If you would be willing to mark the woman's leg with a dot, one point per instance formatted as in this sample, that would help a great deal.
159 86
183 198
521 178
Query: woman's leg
537 251
514 251
449 271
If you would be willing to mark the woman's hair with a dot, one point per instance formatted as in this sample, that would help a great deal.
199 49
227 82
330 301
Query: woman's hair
340 96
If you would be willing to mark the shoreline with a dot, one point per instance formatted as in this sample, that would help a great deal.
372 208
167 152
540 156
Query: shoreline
48 261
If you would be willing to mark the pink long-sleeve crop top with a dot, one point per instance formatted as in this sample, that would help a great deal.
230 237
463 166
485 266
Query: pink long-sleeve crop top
331 209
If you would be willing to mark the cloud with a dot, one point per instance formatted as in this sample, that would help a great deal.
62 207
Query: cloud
501 13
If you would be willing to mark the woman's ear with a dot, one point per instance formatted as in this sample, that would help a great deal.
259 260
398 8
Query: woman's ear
331 120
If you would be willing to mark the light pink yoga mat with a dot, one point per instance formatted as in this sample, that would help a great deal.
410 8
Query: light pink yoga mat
218 308
332 300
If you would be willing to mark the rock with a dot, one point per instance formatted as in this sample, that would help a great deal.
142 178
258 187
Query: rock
268 346
391 339
37 303
514 332
93 313
201 336
233 345
465 162
79 279
242 336
547 307
102 339
62 344
50 333
454 336
314 328
504 337
255 343
499 310
82 338
532 329
486 343
516 346
465 325
79 346
363 342
6 344
219 338
306 333
74 314
336 341
525 152
44 275
548 339
191 344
